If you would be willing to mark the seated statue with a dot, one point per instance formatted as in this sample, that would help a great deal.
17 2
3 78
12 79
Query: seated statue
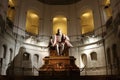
59 42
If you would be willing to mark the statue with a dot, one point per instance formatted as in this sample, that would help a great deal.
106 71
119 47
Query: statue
59 41
59 58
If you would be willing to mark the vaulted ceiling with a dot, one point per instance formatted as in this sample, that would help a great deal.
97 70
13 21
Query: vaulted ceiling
58 2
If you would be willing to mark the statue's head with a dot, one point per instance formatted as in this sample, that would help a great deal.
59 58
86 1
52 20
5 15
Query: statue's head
59 31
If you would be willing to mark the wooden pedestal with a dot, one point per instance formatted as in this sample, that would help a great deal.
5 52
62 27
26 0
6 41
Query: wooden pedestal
59 66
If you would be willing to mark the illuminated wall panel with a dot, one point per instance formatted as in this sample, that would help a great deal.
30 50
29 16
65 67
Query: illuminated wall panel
87 21
60 22
32 22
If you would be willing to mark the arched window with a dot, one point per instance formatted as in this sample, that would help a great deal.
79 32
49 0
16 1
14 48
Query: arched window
11 10
11 52
32 22
26 56
60 22
84 59
4 51
93 56
107 9
108 56
114 52
87 21
36 58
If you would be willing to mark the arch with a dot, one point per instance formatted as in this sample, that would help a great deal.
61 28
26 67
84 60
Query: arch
4 51
87 21
11 10
36 58
93 56
26 56
84 59
60 22
114 52
108 56
107 9
11 53
32 22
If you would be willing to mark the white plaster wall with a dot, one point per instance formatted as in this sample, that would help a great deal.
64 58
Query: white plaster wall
9 42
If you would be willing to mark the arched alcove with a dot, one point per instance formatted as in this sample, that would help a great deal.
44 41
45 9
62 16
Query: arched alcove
4 51
32 22
35 59
11 10
107 9
114 53
108 56
84 59
60 22
87 21
11 54
93 56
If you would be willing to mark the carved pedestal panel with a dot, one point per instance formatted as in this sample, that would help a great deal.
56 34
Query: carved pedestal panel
59 66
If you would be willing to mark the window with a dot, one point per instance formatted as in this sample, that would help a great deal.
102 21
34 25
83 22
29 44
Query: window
36 57
87 22
1 62
93 56
60 22
108 56
108 9
11 52
4 51
114 52
26 56
11 10
32 22
84 59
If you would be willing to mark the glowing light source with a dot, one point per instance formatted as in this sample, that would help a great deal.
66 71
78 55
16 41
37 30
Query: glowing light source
33 15
64 19
107 2
60 22
59 19
32 22
55 19
87 14
87 21
11 2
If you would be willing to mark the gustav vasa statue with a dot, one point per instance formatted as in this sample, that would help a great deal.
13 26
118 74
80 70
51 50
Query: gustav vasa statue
59 41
